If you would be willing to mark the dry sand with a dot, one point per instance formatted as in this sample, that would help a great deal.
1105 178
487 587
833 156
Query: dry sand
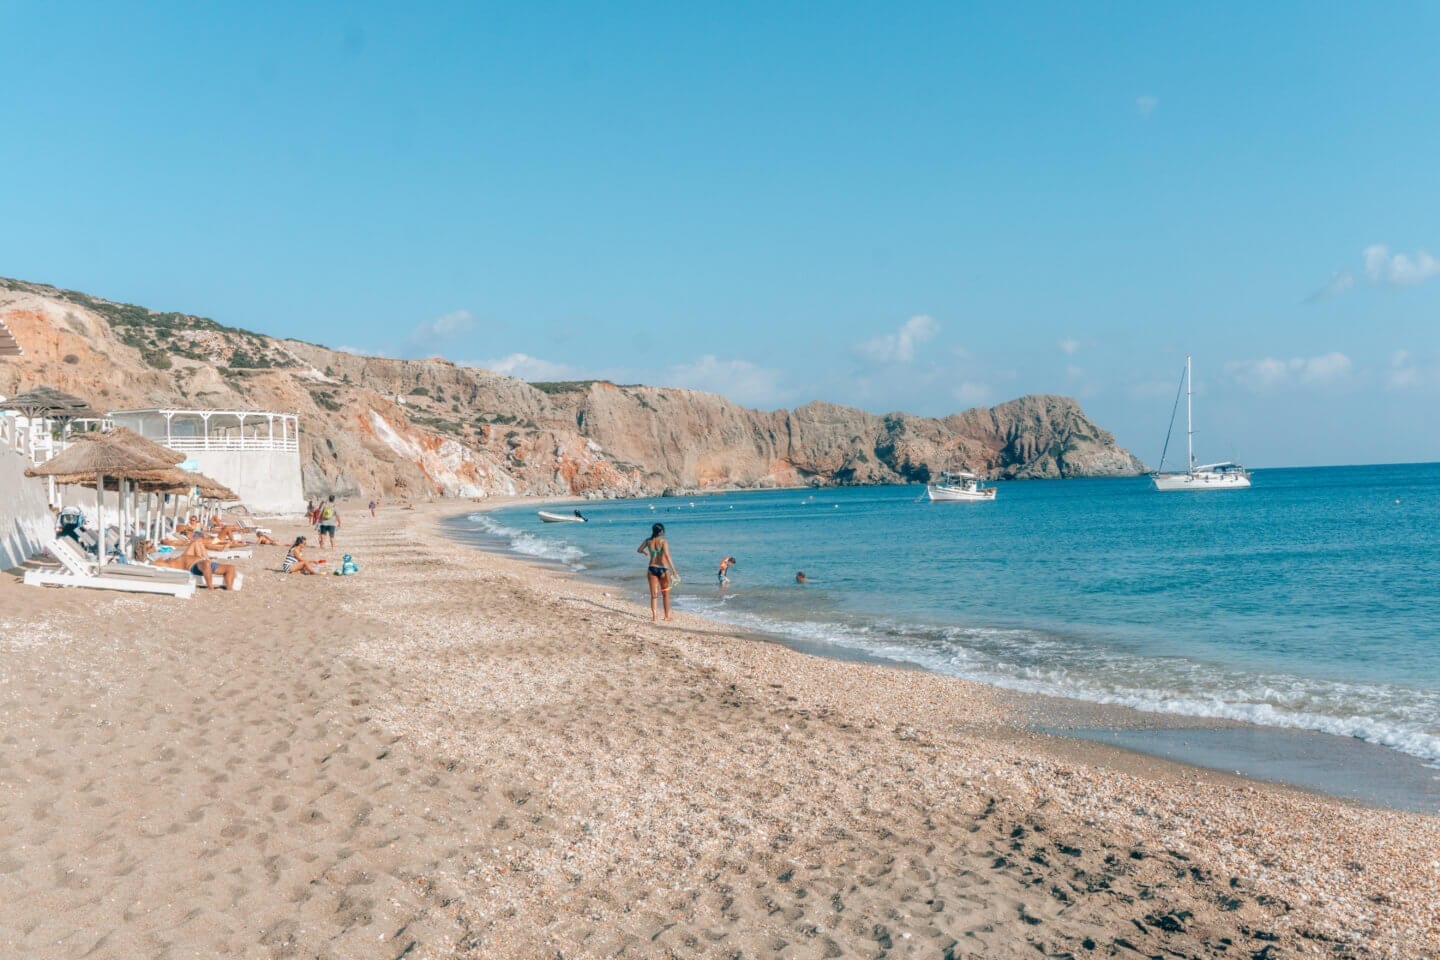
455 754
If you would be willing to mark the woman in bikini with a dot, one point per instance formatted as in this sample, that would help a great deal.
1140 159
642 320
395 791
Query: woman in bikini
660 568
295 561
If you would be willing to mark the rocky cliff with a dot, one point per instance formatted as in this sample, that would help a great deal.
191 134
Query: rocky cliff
377 425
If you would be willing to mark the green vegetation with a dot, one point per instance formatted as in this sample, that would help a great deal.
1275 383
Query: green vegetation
450 427
159 335
326 399
247 360
565 386
420 392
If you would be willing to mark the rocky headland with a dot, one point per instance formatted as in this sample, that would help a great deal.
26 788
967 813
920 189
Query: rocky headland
431 427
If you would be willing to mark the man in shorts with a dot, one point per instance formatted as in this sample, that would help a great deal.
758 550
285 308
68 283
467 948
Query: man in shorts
329 520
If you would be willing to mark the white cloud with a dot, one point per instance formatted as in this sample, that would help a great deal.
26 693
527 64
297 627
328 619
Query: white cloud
1068 345
1146 105
1399 269
444 327
738 380
899 347
1402 372
1383 268
1338 284
972 394
1270 373
526 367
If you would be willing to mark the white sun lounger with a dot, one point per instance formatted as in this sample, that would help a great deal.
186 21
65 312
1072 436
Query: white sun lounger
77 571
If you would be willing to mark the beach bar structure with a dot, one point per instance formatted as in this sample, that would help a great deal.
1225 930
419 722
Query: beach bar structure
256 453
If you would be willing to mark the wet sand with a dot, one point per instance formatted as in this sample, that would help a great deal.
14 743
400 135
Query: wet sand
457 754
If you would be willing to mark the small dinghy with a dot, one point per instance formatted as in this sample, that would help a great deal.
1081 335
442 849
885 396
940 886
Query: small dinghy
549 517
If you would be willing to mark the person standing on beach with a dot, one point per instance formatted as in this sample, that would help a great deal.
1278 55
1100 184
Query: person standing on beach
660 568
373 505
329 520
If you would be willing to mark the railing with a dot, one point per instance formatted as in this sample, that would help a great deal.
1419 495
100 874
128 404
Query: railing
190 444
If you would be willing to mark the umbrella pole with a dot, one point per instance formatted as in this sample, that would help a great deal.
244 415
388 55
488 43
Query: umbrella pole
100 521
122 497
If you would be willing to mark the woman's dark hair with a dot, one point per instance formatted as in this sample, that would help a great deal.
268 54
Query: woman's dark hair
298 541
657 530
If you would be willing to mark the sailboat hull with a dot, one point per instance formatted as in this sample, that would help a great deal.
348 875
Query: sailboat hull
1201 480
949 494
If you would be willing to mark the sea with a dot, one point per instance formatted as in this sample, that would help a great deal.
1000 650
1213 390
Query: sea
1310 601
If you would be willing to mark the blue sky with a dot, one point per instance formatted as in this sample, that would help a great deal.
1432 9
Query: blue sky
925 209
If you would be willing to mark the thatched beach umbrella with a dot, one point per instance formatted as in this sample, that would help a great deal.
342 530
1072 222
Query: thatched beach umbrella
143 445
50 403
105 456
214 489
177 482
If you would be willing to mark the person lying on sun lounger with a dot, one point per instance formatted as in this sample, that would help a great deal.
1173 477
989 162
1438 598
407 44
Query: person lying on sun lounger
196 558
295 561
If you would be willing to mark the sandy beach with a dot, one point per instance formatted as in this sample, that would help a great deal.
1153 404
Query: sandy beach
456 754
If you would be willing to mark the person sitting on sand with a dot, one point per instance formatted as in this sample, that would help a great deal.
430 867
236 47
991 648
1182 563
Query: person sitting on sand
725 564
660 568
295 561
800 577
196 558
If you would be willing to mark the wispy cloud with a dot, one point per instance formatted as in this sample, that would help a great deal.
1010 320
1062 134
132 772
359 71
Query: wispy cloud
1381 267
1342 281
362 352
444 327
738 380
899 347
1271 373
970 393
1399 269
526 367
1402 373
1146 105
1068 345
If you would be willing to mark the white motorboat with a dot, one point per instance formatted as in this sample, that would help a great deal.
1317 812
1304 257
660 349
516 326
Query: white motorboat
549 517
961 486
1209 476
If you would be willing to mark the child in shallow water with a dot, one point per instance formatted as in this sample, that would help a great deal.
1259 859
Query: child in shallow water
725 564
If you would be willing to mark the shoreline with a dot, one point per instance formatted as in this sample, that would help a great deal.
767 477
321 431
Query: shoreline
461 754
1370 774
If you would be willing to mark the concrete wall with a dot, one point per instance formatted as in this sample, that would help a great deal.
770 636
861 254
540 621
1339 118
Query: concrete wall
268 481
25 519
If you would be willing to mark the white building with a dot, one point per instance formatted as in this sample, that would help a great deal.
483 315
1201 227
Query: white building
256 453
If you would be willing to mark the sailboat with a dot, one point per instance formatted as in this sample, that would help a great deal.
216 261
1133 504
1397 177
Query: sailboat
1208 476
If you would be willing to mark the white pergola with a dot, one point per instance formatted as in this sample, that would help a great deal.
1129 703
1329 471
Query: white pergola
190 430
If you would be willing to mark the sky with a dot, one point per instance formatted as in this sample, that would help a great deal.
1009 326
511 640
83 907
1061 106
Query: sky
921 207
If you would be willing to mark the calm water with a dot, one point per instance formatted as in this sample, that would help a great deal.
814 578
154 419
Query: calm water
1311 600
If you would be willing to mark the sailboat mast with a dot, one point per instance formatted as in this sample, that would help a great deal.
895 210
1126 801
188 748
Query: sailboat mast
1189 424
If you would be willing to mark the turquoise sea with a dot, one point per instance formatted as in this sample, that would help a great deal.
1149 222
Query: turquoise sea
1310 601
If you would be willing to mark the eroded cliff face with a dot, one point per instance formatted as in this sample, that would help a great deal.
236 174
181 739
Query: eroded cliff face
374 425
